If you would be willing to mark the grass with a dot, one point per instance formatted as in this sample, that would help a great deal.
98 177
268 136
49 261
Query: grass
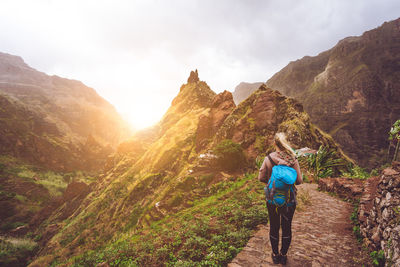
55 182
209 233
303 200
15 250
359 173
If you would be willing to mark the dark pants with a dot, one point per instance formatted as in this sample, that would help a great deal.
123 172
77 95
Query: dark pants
280 217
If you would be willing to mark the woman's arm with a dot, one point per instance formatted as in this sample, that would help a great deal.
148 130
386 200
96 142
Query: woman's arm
296 166
264 172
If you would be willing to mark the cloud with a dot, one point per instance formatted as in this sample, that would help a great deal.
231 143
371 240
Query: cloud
135 52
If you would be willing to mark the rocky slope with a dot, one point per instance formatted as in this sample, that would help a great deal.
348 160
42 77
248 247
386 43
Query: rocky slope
243 90
351 91
53 122
178 168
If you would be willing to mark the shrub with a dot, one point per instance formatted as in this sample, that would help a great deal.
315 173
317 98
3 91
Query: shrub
176 200
206 179
356 172
378 257
230 155
187 184
323 163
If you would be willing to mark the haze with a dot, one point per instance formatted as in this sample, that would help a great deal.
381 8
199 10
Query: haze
137 54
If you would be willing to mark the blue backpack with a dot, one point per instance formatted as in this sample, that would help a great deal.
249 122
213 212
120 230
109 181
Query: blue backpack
280 184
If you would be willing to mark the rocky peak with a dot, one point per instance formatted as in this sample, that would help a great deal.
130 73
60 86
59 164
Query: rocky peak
192 95
225 98
194 77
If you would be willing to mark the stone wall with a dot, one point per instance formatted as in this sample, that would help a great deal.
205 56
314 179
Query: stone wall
380 217
379 209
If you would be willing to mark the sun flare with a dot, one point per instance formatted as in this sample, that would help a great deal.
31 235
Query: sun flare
143 112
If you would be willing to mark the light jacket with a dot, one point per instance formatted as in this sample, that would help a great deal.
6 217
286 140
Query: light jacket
280 158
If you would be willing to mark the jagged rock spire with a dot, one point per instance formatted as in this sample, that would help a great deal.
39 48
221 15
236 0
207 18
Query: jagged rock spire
194 77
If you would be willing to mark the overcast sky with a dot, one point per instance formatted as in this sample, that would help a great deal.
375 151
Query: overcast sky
137 54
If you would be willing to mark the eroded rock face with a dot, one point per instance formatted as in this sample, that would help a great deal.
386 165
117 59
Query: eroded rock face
222 105
254 122
351 91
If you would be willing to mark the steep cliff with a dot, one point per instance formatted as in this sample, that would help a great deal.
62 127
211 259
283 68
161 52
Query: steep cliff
351 91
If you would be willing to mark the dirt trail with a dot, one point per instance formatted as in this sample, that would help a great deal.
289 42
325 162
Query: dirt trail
322 236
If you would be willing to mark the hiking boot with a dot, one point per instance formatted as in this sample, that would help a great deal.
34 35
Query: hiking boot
283 259
276 258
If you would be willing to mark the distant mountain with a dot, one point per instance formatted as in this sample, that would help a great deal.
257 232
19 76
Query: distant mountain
351 91
243 90
55 137
147 208
56 123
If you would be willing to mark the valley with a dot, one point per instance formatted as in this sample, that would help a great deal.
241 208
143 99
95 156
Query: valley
79 187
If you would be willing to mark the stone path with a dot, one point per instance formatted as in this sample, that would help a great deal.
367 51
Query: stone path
322 236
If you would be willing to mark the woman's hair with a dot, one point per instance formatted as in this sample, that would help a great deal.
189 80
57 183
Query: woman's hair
283 144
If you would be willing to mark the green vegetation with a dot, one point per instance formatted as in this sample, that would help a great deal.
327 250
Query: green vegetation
259 162
14 251
355 171
356 223
396 211
230 155
324 163
210 233
378 257
394 136
54 182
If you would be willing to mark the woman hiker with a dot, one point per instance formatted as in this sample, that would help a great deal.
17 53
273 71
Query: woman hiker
280 216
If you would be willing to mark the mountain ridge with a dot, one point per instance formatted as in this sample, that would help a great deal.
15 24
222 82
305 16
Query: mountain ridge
74 111
173 167
351 90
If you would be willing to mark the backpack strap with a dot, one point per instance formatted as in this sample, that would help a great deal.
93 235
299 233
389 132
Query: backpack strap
270 159
273 164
